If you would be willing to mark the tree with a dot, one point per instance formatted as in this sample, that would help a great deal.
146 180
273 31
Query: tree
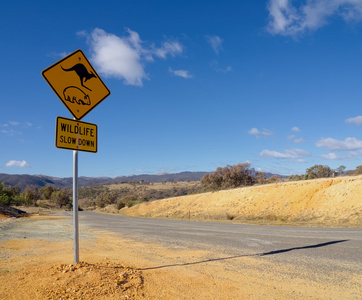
358 170
5 195
211 181
61 197
30 195
239 175
228 177
10 195
260 178
340 170
298 177
319 171
46 192
274 179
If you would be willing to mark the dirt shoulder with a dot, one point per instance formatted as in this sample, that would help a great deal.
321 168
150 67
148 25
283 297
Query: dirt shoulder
36 264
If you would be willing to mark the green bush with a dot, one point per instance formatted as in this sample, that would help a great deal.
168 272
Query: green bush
120 205
10 195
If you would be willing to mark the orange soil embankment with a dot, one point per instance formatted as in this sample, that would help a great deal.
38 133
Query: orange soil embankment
330 200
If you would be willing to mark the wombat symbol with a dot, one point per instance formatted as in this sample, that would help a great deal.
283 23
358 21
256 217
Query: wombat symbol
74 94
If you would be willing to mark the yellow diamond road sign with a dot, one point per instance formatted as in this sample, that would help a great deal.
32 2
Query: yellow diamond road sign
76 83
76 135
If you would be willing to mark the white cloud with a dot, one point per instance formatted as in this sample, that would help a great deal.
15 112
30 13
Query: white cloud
17 163
181 73
299 141
125 57
169 48
218 68
258 133
289 154
286 19
57 55
295 139
10 132
349 144
13 127
16 123
118 57
296 129
215 43
354 154
356 120
330 156
254 131
225 70
167 170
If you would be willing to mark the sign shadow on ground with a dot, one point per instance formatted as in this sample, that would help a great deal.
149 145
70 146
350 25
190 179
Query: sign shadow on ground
248 255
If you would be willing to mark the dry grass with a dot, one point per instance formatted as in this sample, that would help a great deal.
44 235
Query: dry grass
155 185
330 201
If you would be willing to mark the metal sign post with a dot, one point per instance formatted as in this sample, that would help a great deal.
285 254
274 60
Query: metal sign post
75 206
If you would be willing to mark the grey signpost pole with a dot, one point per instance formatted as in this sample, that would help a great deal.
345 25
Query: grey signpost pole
75 206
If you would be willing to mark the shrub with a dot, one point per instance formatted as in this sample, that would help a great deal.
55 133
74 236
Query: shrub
358 170
120 205
61 198
10 195
319 171
228 177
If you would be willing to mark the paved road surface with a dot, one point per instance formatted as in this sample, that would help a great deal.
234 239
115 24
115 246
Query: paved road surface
331 247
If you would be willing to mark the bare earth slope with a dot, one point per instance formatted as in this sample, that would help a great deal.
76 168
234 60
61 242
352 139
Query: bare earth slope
322 201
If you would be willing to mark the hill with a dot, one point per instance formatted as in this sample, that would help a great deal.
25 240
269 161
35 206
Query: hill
332 201
22 181
166 177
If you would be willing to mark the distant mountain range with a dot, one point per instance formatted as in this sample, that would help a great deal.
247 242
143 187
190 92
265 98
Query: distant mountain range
22 181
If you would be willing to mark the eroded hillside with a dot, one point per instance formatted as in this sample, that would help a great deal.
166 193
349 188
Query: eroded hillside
329 201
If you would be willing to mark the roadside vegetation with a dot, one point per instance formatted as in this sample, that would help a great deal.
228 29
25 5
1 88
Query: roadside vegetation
127 194
31 196
243 175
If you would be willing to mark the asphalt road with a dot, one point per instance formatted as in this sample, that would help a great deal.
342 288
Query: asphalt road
334 248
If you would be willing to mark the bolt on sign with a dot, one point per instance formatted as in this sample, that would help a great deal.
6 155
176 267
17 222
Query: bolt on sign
76 83
76 135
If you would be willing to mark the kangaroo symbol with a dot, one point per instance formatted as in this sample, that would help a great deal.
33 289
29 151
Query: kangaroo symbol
82 73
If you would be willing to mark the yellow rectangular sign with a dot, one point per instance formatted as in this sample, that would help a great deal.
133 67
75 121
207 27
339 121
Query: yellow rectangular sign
76 135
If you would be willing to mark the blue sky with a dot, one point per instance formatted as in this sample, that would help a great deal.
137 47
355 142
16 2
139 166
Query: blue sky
194 85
